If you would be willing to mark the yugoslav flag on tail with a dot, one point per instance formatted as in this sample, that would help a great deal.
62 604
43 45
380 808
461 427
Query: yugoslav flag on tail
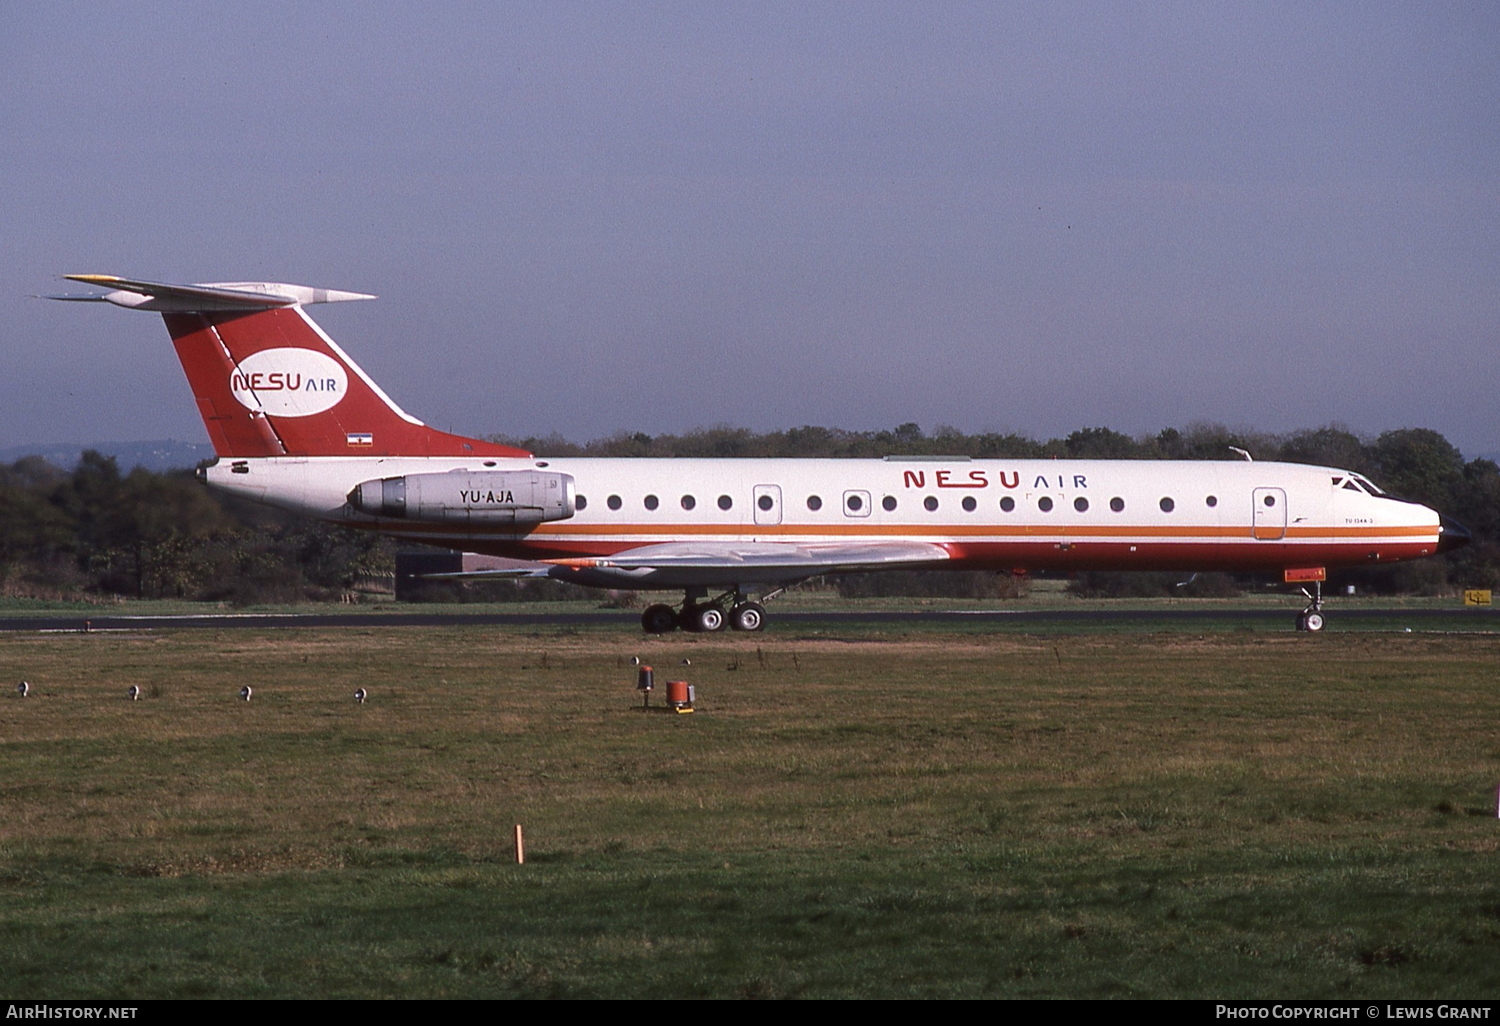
269 382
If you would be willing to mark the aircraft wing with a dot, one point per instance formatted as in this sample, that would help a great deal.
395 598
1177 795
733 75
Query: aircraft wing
507 574
675 564
799 559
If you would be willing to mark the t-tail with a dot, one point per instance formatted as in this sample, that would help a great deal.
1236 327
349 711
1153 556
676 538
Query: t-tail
269 382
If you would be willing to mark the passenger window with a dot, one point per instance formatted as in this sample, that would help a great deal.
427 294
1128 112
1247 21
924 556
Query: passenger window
725 502
1081 504
856 503
814 503
1212 500
931 503
652 502
688 502
765 502
1117 504
970 504
613 502
1167 505
1007 503
889 502
579 502
1044 504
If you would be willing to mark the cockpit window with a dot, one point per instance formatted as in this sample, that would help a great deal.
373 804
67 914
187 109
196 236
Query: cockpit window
1355 483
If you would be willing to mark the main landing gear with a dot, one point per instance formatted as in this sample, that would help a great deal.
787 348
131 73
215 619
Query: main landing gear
1311 618
730 609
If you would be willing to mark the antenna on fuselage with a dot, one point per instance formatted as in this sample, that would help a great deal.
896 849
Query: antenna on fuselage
1242 452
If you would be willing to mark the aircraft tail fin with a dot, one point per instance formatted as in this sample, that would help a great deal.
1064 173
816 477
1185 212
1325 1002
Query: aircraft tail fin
270 382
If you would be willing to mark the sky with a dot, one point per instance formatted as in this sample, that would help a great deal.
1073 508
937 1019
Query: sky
584 218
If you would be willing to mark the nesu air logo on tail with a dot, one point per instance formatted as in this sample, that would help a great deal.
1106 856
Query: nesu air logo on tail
289 382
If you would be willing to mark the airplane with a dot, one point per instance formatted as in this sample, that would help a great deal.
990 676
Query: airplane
296 424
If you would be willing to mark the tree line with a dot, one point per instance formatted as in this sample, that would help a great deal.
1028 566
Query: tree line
94 531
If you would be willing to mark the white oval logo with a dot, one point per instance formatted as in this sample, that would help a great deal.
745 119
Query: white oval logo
289 382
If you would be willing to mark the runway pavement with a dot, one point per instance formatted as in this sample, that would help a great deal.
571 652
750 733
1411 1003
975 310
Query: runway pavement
1477 618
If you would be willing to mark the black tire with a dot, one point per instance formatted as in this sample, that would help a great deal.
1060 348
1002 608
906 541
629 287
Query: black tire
704 619
748 616
659 620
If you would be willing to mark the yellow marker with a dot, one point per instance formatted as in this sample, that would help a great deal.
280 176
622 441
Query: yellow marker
1477 597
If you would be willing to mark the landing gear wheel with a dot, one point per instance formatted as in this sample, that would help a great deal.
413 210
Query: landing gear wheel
748 616
659 620
1311 617
704 619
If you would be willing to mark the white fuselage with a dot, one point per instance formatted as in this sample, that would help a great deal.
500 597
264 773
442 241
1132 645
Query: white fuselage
984 514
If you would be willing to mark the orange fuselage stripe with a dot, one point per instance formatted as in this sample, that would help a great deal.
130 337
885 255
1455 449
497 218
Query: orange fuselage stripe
1000 533
968 531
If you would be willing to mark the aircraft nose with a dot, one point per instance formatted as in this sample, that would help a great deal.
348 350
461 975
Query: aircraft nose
1452 535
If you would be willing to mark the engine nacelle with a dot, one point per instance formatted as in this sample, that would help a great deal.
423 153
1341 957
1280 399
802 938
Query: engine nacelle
486 497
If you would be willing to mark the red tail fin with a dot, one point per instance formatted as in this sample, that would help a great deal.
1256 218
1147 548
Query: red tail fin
269 382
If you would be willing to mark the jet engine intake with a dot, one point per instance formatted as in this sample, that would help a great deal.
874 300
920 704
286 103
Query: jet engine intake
489 497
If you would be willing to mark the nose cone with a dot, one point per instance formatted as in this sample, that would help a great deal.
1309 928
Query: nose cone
1451 534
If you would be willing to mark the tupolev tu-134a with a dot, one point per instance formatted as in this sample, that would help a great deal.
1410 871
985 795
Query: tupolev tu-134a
297 424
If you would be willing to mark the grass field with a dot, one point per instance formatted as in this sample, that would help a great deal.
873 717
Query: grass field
910 813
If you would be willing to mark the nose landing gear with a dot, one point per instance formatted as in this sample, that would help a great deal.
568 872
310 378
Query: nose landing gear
1311 618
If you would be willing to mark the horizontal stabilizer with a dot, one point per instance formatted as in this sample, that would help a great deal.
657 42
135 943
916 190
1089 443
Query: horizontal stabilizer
210 297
